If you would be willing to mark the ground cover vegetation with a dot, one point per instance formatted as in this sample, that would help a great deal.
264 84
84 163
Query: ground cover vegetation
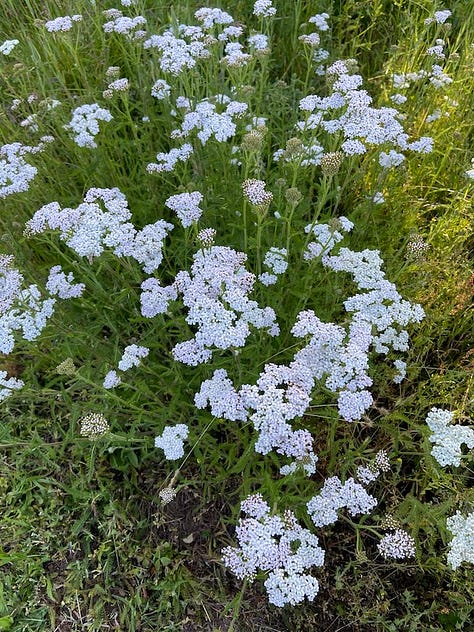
236 315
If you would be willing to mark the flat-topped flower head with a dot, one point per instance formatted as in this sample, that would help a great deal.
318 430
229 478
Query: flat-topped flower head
62 24
276 545
398 545
93 426
186 207
171 441
448 438
461 547
264 9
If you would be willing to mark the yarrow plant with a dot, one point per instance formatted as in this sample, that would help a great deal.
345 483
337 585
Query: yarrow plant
212 244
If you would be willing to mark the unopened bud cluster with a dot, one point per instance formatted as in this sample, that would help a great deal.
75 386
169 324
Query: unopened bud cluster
331 163
67 367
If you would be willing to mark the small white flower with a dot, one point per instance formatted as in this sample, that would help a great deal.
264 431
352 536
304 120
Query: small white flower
8 45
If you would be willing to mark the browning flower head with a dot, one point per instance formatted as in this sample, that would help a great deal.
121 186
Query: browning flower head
389 522
416 248
294 148
206 237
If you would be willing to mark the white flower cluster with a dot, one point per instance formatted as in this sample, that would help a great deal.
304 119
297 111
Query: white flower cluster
224 401
15 173
320 21
470 172
264 9
122 24
160 90
258 42
349 113
20 308
88 229
216 296
276 261
7 386
235 56
177 54
60 284
155 298
439 17
332 353
281 394
208 122
368 474
186 207
118 85
397 544
254 191
342 361
327 236
10 282
436 76
437 50
168 161
210 17
85 123
334 496
461 547
8 45
380 310
171 441
63 23
131 357
276 545
448 439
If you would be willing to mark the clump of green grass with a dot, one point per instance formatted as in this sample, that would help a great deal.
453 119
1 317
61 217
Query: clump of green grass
87 542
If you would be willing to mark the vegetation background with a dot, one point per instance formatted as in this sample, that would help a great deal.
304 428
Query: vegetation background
86 543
